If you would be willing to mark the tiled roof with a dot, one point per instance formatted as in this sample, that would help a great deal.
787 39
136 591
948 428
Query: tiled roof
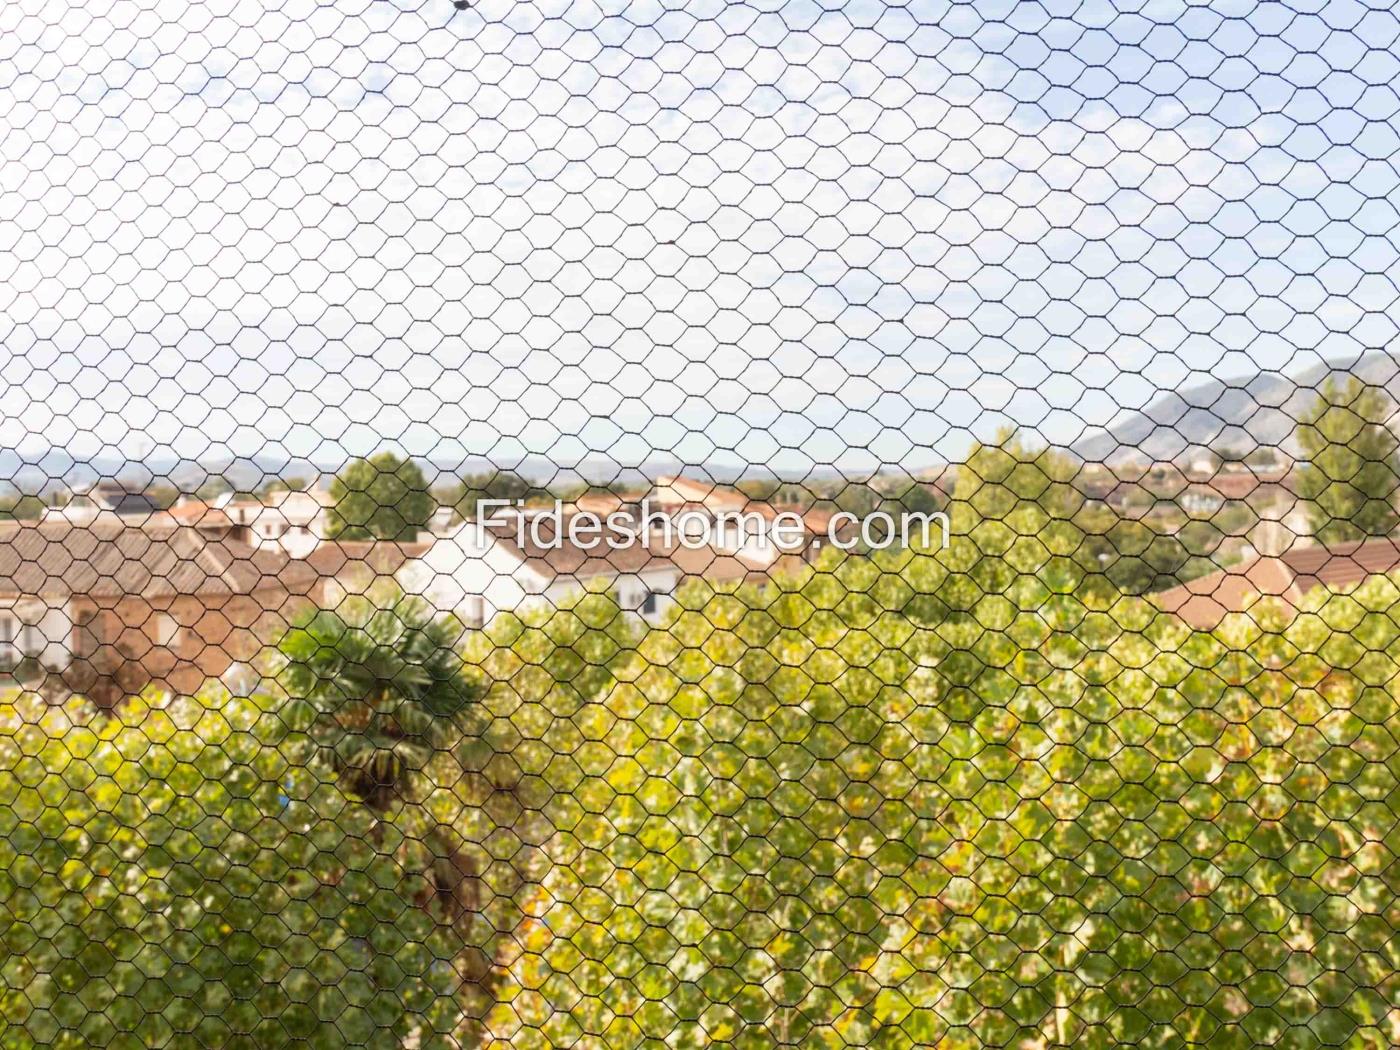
1205 601
112 558
568 560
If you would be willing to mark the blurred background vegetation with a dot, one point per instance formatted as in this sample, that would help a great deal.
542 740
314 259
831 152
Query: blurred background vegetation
978 796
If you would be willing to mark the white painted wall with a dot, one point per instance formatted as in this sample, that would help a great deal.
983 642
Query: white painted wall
32 627
469 573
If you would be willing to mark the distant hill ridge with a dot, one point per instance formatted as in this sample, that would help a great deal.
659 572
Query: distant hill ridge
1260 410
1263 409
35 469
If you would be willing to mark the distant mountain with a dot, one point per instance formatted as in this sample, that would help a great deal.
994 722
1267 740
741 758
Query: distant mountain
41 468
1263 409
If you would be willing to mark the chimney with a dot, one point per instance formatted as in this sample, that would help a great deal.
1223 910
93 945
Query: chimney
1271 536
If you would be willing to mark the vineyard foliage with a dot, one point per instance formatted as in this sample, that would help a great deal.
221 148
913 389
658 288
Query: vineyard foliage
180 875
959 798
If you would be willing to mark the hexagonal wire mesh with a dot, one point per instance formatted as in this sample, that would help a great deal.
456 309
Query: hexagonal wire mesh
619 525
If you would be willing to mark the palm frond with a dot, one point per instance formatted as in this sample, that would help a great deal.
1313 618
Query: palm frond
387 687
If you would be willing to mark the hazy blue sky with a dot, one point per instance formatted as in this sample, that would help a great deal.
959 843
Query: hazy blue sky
770 233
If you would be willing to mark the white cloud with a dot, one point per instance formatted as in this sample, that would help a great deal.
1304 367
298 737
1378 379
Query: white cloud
640 229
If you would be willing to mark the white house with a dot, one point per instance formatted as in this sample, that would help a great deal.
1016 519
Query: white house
479 570
468 572
109 500
292 520
32 628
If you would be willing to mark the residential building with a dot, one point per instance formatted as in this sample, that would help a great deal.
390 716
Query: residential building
109 601
294 520
1285 573
1168 490
104 498
478 572
528 556
108 606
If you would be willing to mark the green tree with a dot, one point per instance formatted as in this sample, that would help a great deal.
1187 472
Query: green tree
387 698
384 497
465 496
21 506
165 495
1018 518
212 488
386 689
277 486
1353 462
1014 483
911 497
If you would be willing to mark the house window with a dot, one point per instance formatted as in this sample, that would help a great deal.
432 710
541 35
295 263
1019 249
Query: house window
649 604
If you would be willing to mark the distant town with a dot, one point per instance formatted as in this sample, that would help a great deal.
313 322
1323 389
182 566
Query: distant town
109 586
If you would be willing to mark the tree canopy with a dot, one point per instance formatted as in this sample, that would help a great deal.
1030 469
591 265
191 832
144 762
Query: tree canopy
466 495
1352 468
386 687
384 497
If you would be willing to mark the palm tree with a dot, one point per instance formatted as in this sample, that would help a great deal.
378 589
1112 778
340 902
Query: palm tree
386 690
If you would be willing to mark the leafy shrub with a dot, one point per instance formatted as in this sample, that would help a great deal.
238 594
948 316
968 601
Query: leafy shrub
955 800
1037 815
175 875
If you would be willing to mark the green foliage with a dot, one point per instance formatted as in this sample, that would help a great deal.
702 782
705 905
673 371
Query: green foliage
212 488
276 486
1012 493
385 687
164 495
1014 484
911 498
955 799
383 498
1138 557
1353 462
174 876
465 497
21 506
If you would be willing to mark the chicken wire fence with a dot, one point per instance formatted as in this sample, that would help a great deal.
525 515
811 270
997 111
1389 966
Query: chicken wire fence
676 525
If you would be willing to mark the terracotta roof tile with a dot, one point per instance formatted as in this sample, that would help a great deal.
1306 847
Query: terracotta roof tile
112 559
1205 601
